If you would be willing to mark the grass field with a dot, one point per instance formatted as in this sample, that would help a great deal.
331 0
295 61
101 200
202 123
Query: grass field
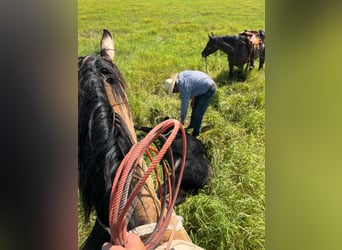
155 38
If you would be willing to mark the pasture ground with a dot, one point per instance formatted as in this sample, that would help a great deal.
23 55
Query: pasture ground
155 38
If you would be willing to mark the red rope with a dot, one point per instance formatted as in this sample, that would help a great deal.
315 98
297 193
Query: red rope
120 201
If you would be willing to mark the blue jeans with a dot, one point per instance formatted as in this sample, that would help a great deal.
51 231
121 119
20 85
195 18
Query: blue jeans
201 104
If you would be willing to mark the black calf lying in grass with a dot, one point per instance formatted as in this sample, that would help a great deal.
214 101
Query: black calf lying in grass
197 169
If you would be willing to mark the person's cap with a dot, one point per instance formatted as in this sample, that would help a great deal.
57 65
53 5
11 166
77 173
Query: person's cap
170 83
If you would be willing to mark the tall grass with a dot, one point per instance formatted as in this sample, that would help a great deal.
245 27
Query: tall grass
155 38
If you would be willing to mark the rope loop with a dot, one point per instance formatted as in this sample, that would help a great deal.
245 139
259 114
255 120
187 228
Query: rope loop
120 201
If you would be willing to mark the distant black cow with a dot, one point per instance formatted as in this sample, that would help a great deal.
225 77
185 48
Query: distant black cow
197 168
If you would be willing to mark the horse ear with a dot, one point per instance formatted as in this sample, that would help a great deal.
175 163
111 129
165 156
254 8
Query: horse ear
107 45
212 34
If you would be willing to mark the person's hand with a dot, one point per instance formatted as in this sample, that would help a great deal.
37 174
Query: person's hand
133 243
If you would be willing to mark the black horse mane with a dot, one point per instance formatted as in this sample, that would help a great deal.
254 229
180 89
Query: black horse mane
103 138
232 40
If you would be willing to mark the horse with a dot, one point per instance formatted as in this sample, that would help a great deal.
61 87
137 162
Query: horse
237 48
105 136
197 170
257 38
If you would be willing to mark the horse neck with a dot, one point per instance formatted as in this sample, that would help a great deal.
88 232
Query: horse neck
226 44
121 107
147 207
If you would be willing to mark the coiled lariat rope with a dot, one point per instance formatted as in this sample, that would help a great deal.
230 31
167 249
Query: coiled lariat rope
120 201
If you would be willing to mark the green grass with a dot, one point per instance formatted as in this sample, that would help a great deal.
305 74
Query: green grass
155 38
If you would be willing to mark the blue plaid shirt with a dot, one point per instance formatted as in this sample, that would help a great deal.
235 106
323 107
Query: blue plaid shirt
191 83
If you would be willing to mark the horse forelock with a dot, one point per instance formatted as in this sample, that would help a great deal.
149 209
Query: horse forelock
104 138
106 134
105 79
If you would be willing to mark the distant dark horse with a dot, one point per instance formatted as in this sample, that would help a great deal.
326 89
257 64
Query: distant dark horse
257 38
197 169
237 48
105 136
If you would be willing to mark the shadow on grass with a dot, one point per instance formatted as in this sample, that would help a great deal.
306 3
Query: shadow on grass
224 79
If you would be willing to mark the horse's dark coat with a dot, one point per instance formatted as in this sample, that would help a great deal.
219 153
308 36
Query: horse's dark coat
101 146
197 170
105 136
239 50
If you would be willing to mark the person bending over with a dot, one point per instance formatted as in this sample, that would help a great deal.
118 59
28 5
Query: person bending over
195 85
